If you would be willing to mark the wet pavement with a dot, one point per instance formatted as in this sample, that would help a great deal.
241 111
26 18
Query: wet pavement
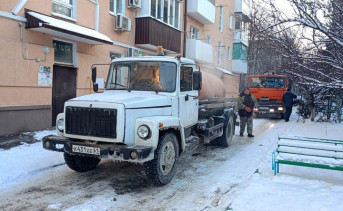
13 140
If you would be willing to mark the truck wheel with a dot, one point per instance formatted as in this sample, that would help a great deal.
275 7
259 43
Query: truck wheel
226 139
162 168
81 163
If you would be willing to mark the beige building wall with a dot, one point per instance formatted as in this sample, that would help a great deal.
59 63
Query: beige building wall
24 105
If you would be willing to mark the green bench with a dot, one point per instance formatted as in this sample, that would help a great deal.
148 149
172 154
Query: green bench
308 152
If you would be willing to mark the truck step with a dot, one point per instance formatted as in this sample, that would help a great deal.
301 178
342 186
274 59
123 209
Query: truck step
192 142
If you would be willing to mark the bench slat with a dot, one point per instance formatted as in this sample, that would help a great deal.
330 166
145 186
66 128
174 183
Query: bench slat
282 157
312 152
312 139
312 145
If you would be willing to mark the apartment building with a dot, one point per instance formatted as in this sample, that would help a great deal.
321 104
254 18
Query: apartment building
209 39
48 48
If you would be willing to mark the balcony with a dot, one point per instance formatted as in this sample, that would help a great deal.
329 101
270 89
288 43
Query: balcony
151 33
199 51
241 36
242 7
203 11
239 66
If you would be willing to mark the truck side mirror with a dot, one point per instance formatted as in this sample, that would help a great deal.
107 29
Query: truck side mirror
95 87
94 74
197 80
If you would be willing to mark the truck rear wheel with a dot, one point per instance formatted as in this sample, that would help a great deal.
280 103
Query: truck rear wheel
162 168
226 139
81 163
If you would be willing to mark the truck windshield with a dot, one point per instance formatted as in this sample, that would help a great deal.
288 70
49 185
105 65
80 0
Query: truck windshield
142 76
266 82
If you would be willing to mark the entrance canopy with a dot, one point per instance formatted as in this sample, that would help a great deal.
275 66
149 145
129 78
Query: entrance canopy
49 25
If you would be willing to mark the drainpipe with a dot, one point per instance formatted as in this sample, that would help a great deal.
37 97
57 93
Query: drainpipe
184 28
96 16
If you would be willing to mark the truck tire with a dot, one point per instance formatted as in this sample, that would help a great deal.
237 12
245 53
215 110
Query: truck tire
162 168
226 139
81 163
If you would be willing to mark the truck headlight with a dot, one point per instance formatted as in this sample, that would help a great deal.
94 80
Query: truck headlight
144 132
271 110
60 125
280 108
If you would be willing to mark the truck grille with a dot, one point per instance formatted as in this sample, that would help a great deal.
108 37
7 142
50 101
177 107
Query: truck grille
97 122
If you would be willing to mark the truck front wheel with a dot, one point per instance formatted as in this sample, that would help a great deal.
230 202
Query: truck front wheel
81 163
162 168
226 139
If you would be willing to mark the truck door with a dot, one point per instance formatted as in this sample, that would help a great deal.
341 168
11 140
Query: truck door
188 98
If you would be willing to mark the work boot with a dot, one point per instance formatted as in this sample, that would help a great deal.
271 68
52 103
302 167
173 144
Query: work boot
241 134
251 135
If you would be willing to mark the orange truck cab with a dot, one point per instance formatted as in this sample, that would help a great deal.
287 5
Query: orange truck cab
268 90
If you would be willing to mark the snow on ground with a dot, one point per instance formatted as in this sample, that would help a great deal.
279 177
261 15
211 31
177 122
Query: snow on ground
26 160
235 178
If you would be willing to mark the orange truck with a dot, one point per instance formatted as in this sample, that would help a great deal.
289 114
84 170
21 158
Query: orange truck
268 90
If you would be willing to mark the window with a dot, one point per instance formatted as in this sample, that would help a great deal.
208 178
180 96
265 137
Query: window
230 21
221 17
209 39
266 82
142 76
186 79
168 11
240 51
229 53
114 55
237 23
117 6
63 52
219 61
64 8
195 33
244 55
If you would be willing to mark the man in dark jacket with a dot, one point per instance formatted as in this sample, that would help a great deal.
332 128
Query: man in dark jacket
246 103
287 100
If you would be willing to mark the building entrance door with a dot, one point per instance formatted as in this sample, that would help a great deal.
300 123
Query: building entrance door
63 88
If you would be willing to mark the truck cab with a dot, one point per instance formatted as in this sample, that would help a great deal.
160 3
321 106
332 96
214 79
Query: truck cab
268 91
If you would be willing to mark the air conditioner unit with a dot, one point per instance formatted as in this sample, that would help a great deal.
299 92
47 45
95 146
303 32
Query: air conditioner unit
134 52
123 23
135 3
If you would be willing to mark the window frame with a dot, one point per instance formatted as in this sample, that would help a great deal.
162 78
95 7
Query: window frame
229 53
72 8
173 6
220 53
230 21
114 11
194 33
221 18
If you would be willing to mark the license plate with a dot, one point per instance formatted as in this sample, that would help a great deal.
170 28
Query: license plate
263 108
86 150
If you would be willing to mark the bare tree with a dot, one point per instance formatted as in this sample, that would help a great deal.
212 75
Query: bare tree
304 42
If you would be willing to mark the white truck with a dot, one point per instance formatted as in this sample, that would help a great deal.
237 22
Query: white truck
148 112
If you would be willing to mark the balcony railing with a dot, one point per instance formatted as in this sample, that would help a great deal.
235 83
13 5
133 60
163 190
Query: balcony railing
199 51
239 66
241 37
243 7
203 11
